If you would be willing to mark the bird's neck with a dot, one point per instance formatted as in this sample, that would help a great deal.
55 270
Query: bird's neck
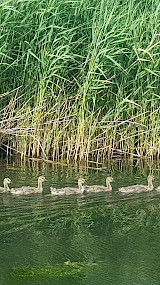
108 185
80 185
6 187
40 187
150 184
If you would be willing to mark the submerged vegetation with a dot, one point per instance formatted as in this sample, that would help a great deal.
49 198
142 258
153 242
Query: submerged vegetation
68 269
80 79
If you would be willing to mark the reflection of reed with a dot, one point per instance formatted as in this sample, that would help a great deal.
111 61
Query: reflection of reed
124 166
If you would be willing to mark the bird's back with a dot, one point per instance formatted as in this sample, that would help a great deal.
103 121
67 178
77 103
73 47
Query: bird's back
134 189
25 190
65 191
96 188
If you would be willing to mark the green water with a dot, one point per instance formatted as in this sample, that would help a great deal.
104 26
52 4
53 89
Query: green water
88 239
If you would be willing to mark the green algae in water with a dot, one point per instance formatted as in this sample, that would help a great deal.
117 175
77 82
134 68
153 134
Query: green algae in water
67 269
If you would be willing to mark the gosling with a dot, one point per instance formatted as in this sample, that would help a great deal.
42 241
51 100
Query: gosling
69 190
25 190
100 188
138 188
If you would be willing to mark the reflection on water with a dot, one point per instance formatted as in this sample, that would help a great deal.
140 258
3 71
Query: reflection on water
89 239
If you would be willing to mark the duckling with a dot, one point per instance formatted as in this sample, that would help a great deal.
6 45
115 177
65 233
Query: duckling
100 188
138 188
69 190
25 190
5 189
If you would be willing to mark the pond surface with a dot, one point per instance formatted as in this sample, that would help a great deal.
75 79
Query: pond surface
86 239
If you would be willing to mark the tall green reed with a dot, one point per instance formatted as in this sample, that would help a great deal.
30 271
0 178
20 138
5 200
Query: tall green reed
88 77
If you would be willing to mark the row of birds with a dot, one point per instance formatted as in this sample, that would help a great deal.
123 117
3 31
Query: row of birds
82 188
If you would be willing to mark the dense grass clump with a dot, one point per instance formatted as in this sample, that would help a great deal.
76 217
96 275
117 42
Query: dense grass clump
80 79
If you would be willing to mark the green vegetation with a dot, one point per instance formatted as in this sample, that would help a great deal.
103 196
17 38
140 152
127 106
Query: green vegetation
68 269
80 79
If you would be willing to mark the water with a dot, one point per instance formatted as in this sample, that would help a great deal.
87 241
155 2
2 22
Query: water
92 239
